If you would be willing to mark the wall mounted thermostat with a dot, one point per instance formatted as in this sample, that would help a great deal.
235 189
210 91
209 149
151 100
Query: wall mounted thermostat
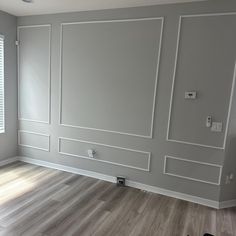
190 95
91 153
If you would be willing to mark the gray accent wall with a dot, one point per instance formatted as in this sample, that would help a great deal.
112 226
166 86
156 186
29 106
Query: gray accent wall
103 66
34 67
111 89
205 65
34 140
228 190
8 140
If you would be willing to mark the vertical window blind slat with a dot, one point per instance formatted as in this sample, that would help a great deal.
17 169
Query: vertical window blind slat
2 121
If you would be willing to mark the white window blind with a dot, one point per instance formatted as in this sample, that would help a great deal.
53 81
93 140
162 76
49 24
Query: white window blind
2 126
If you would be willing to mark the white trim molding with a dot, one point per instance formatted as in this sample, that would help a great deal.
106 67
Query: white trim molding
3 99
34 147
7 161
190 178
130 183
104 161
227 204
150 136
173 86
49 74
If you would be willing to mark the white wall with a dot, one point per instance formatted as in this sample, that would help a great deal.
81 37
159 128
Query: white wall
8 140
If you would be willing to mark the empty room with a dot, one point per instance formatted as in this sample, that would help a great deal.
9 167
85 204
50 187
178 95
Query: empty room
117 118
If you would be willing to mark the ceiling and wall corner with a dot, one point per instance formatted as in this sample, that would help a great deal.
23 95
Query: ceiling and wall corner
39 7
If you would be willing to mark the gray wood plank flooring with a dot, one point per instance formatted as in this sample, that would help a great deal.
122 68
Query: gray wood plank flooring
38 201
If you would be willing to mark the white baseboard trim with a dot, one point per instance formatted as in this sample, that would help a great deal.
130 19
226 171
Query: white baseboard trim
153 189
130 183
68 169
178 195
8 161
227 204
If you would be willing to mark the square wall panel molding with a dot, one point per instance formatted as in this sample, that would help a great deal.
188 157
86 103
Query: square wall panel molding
205 63
34 73
115 155
109 75
34 140
192 170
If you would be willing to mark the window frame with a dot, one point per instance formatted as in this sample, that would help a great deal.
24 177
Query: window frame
2 129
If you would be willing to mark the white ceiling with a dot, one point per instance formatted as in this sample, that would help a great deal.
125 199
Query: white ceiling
19 8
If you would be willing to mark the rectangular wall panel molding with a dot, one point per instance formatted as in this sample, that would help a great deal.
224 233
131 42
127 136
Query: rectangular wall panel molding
34 140
115 155
116 93
193 170
202 50
34 73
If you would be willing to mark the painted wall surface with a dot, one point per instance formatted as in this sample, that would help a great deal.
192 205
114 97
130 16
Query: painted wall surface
201 63
103 89
103 66
228 190
34 63
8 140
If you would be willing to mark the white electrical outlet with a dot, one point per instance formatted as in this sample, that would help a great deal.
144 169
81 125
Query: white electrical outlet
91 153
229 178
216 127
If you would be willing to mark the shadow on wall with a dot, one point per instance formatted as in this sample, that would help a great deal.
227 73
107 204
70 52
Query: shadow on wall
228 181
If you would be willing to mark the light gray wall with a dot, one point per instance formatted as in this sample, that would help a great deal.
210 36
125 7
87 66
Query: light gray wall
204 64
228 190
8 140
102 75
187 124
34 62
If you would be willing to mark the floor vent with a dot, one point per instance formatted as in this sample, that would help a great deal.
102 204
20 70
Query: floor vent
120 181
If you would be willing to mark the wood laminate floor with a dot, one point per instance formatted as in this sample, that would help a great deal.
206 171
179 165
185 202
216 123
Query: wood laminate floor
38 201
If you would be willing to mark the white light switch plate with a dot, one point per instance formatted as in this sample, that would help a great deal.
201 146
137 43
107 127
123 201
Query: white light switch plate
216 127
